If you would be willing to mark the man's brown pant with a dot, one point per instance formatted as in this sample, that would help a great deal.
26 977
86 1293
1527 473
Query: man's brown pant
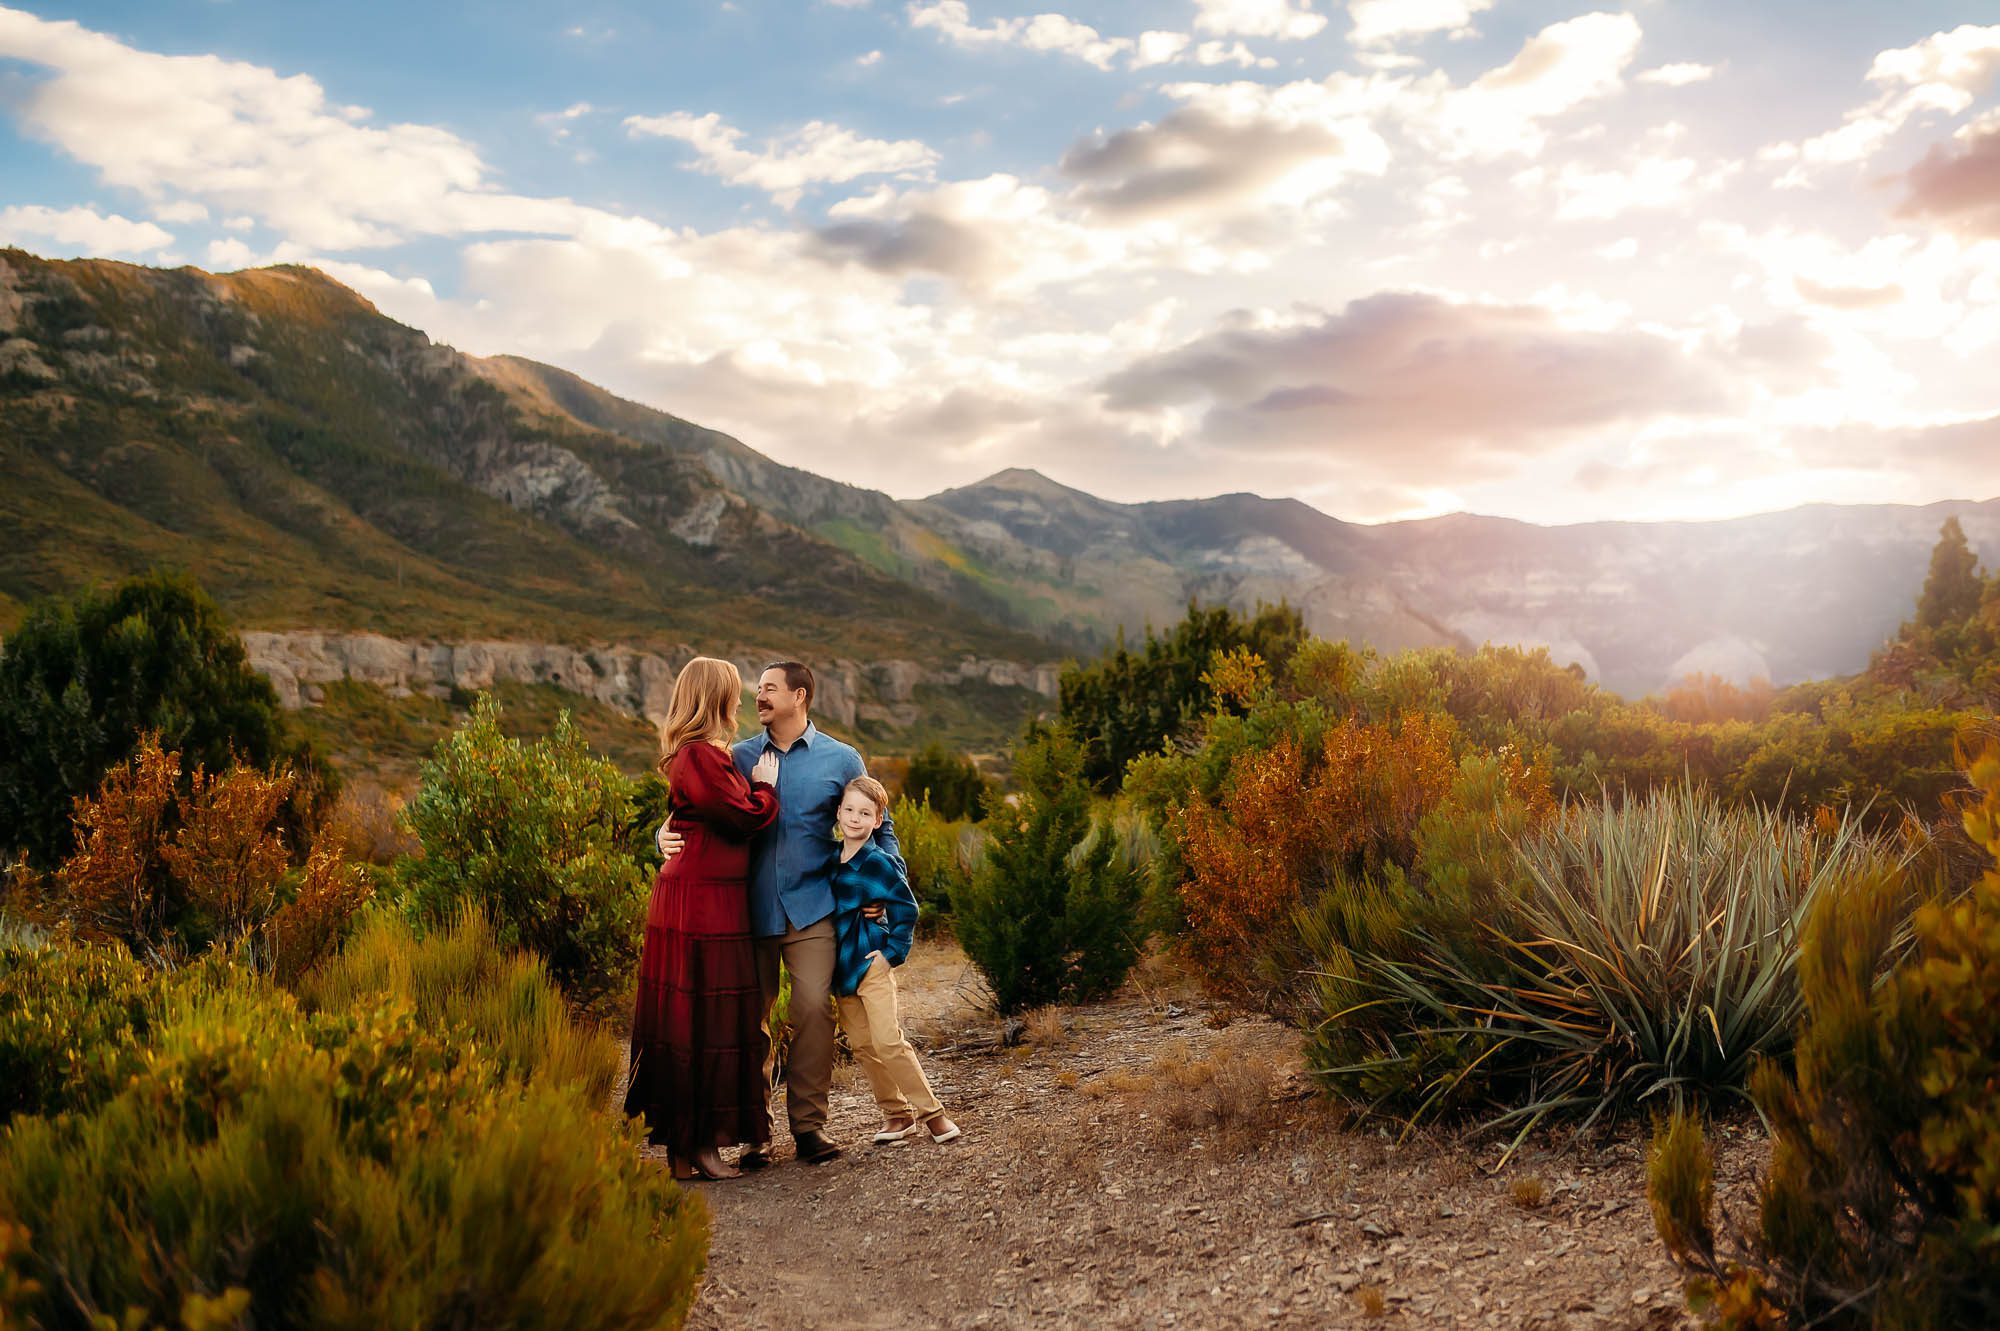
808 955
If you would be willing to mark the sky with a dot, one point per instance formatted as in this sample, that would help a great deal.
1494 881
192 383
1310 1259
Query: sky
1395 258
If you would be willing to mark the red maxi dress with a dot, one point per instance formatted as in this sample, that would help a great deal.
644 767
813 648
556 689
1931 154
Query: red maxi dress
698 1041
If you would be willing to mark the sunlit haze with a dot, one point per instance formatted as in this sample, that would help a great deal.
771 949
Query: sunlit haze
1392 257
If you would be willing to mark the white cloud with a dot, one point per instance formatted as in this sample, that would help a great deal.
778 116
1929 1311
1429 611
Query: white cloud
558 123
952 20
1401 383
1943 73
868 58
1231 53
179 211
1923 292
1286 20
813 154
994 235
1650 182
1380 22
1676 75
1442 202
1234 148
1158 48
229 254
80 231
242 139
1560 68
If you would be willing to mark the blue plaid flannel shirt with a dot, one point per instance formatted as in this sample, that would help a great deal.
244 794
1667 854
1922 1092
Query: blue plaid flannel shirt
872 875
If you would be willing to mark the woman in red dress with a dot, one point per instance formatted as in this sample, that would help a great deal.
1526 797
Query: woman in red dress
698 1041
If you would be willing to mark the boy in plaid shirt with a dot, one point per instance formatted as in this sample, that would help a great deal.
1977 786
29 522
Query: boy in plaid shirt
867 948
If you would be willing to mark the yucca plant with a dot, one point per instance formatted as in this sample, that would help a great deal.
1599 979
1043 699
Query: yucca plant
1650 948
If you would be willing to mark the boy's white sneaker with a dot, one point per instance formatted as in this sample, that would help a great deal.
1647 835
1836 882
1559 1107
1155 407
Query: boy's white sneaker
890 1136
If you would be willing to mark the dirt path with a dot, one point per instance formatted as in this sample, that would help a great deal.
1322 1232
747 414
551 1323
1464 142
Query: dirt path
1139 1165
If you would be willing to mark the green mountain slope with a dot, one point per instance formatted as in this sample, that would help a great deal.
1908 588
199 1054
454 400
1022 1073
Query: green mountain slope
319 465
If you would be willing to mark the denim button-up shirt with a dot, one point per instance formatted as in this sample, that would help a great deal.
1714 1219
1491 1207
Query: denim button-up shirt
791 862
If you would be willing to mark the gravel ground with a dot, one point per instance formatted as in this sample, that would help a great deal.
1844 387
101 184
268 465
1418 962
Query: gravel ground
1149 1162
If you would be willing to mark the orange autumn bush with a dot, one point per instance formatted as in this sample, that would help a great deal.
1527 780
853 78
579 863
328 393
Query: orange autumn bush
116 884
167 865
1286 827
308 929
228 855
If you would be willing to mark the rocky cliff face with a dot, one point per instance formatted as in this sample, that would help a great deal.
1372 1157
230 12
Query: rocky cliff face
300 665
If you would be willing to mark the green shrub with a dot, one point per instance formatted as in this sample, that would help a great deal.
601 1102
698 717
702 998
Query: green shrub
533 834
932 851
350 1170
1650 949
1051 916
1881 1208
946 781
460 979
72 1023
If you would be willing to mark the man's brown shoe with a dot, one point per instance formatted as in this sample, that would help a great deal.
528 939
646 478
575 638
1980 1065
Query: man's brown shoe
814 1148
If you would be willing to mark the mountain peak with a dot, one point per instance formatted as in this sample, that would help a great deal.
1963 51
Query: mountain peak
1023 481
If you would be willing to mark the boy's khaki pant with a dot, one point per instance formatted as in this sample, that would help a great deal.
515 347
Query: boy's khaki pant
876 1036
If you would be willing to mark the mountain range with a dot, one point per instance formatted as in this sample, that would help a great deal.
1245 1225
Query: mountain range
323 468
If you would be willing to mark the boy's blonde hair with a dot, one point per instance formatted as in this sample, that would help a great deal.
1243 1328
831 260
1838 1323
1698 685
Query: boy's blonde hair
877 793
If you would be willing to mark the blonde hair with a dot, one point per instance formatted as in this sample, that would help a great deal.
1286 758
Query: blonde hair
699 711
871 788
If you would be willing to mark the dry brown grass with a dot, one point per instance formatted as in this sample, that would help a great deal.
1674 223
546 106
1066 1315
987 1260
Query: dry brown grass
1527 1192
1228 1093
1121 1082
1163 977
364 825
1047 1027
1371 1300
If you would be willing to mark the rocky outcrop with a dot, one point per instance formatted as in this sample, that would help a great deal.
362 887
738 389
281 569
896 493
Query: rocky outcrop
300 664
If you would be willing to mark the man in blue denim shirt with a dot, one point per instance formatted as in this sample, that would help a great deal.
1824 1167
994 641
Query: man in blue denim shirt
791 889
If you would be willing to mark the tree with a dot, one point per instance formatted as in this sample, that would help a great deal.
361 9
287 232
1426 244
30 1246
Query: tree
84 677
1051 916
949 781
1127 703
1953 587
